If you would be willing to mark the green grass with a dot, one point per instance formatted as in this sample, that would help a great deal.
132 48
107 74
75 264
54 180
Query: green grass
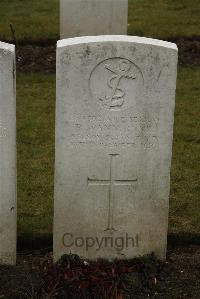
31 19
185 186
35 144
163 18
36 19
35 115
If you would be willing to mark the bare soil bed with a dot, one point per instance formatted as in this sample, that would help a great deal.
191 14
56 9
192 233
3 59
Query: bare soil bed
35 276
40 56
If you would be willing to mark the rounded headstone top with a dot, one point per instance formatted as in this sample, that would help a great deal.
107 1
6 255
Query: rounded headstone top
6 46
116 38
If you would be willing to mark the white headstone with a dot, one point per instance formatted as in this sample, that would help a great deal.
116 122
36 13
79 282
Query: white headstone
114 130
7 155
93 17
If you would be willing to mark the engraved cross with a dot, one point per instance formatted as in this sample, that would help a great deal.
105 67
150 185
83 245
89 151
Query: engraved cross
111 183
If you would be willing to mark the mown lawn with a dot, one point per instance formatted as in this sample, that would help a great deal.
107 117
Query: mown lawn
36 19
35 125
31 19
164 18
185 183
36 107
35 149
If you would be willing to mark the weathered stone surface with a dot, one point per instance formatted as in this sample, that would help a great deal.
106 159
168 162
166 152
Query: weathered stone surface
7 155
114 128
93 17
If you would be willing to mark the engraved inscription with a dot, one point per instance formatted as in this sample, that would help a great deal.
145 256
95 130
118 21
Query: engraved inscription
125 130
115 82
111 183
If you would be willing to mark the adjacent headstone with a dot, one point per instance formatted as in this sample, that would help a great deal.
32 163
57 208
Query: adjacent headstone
7 155
114 127
93 17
